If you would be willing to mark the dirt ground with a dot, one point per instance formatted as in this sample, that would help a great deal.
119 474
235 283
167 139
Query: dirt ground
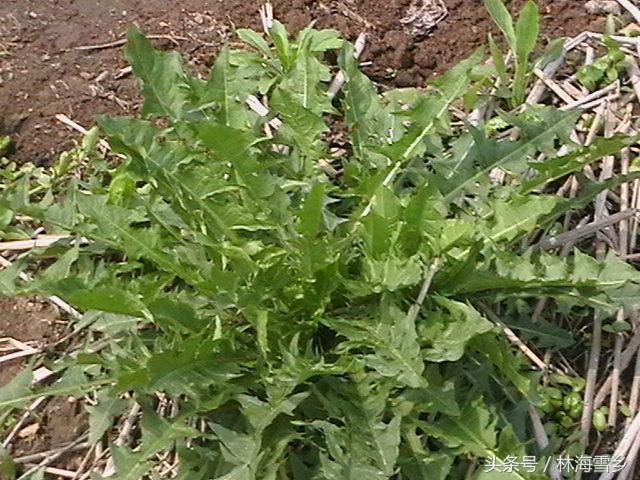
45 71
30 321
53 60
37 324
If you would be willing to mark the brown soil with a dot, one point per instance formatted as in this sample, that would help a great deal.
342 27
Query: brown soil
28 320
54 425
59 421
42 72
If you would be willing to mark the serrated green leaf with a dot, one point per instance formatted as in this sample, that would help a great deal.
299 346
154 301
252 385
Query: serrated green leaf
162 76
439 396
178 313
101 415
519 215
62 267
447 334
17 398
502 358
498 60
502 18
554 168
304 83
363 109
418 463
254 39
385 203
490 154
9 277
373 455
280 39
311 212
301 127
392 273
474 431
105 298
18 387
319 40
157 434
229 91
137 139
544 334
242 449
575 279
393 341
527 29
449 87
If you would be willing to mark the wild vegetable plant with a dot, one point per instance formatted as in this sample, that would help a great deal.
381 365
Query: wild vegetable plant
5 145
275 321
521 39
603 70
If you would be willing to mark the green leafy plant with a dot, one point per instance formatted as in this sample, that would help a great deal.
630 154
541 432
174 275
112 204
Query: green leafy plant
603 70
521 39
274 321
6 145
562 404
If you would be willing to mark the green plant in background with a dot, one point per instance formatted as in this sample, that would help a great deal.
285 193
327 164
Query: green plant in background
7 465
562 405
521 39
603 70
303 325
6 145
